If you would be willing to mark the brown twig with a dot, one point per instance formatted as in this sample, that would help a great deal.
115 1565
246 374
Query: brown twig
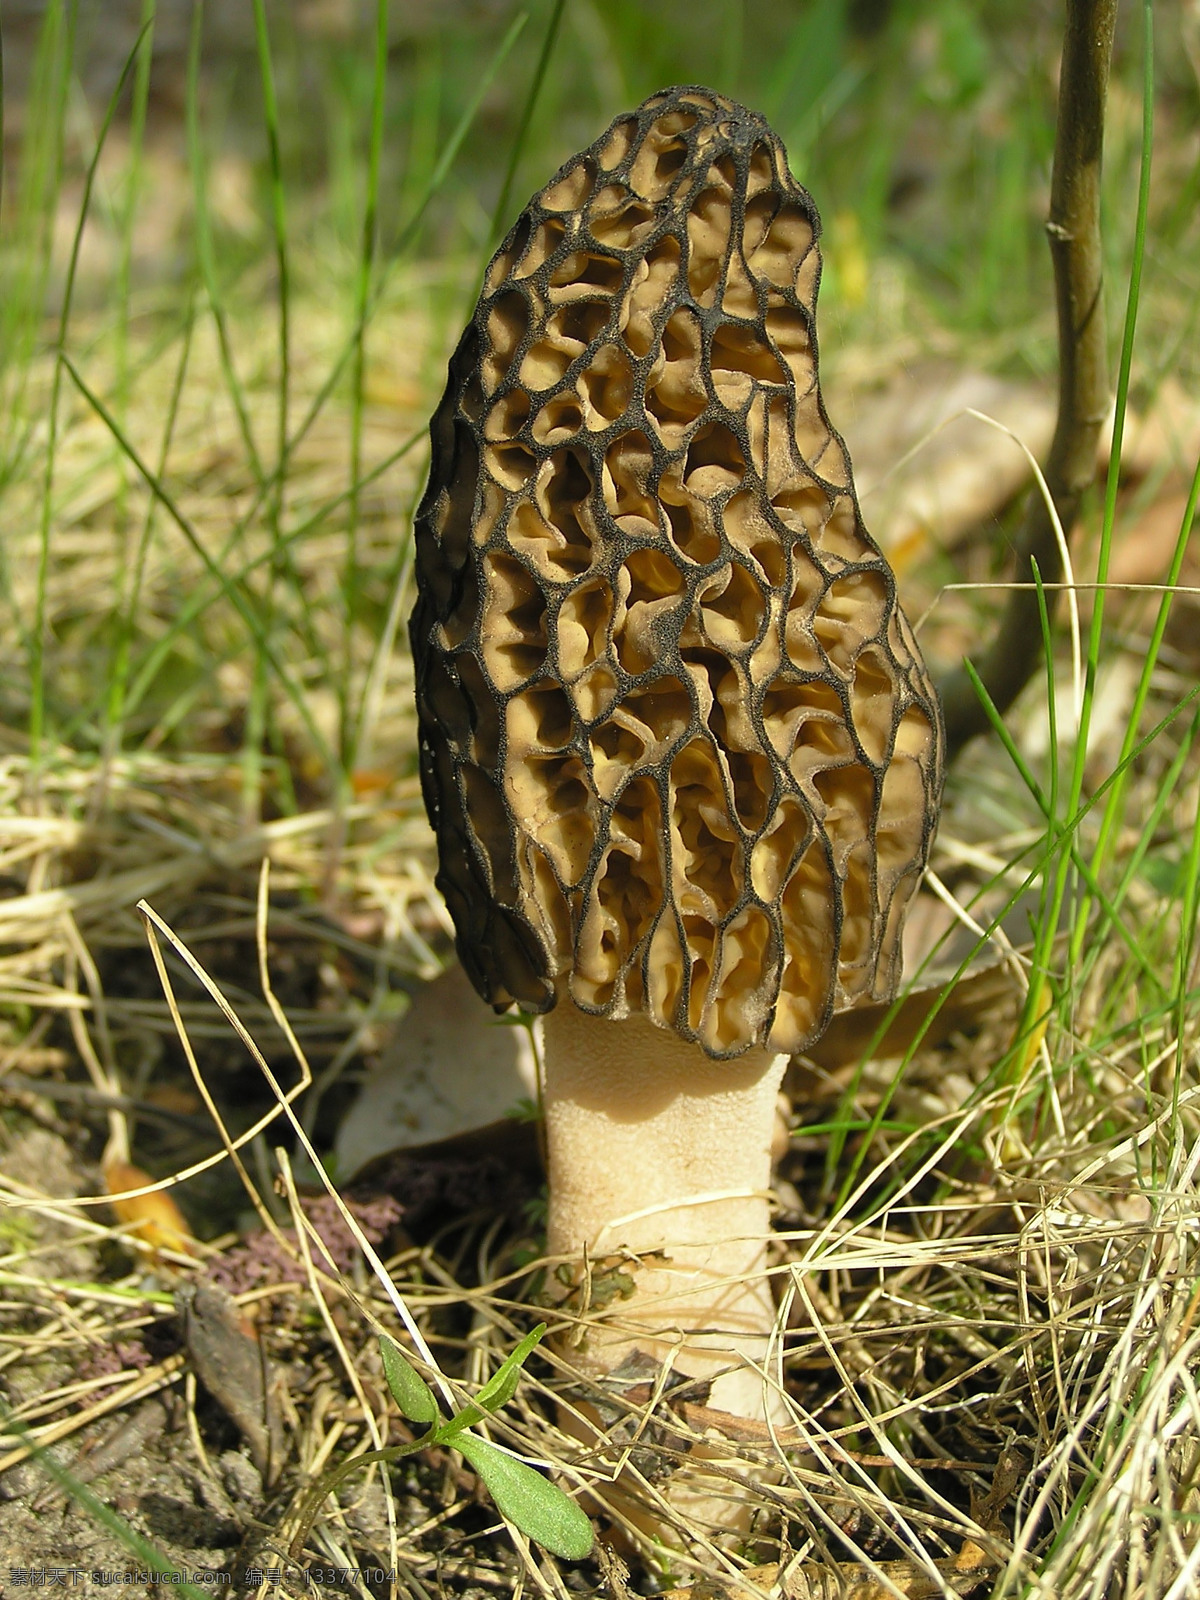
1074 231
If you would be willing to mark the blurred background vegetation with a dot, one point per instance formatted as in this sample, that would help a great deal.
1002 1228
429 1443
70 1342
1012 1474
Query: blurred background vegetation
924 127
239 239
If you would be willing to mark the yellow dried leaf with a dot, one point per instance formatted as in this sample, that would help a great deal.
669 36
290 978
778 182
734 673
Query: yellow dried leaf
153 1218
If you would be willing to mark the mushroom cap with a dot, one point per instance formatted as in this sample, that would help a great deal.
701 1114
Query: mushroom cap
677 741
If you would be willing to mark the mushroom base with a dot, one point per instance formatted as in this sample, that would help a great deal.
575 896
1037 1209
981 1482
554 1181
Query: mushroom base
660 1165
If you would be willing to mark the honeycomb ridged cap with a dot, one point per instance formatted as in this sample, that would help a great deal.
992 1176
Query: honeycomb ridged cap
677 741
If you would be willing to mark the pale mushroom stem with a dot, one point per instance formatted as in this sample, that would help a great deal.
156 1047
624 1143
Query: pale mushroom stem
653 1146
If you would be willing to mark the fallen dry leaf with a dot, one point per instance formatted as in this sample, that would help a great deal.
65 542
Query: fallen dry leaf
964 1005
1163 438
1143 552
452 1068
965 473
153 1218
231 1364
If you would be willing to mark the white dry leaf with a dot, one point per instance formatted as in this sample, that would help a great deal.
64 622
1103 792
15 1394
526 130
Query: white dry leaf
960 471
451 1068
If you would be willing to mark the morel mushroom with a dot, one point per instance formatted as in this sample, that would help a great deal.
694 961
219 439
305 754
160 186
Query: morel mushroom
678 745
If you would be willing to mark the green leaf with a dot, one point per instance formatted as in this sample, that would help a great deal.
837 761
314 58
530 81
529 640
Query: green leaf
499 1389
529 1501
410 1391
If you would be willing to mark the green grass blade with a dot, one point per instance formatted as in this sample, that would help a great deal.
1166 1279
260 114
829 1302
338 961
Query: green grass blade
1038 1001
128 210
118 685
279 237
1112 810
1065 831
104 1516
234 591
37 674
362 292
527 110
205 250
1185 957
202 597
411 229
36 205
257 730
846 1121
454 143
1132 302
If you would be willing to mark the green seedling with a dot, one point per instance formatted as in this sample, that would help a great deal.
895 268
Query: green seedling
537 1507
